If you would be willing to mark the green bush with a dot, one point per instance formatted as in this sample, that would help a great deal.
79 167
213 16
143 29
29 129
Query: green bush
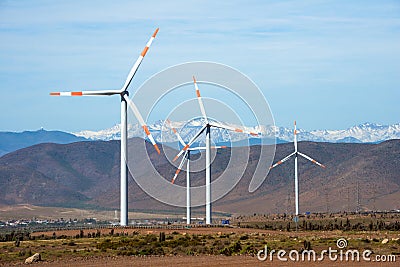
249 250
244 237
71 243
235 248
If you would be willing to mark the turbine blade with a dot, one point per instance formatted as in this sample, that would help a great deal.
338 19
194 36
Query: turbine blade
282 161
311 159
190 142
141 121
202 109
176 133
138 61
89 93
217 147
180 167
203 147
227 127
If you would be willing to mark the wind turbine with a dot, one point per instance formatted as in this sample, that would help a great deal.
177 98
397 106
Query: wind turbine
123 92
296 153
186 156
207 127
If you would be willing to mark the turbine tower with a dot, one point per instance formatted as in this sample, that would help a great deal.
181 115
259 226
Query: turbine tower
207 127
186 156
125 101
296 153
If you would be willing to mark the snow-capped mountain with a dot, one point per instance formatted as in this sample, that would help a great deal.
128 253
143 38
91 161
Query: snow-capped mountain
162 133
363 133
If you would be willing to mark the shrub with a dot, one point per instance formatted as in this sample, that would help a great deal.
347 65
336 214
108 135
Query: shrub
225 251
249 250
235 248
71 243
244 237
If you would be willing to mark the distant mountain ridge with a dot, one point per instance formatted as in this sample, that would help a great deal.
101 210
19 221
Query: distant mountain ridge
12 141
363 133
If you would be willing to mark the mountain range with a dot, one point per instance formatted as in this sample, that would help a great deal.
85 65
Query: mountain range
363 133
86 174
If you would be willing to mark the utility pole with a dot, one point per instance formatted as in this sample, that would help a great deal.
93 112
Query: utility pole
358 198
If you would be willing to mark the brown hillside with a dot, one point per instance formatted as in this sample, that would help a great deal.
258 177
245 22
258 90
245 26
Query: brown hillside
87 173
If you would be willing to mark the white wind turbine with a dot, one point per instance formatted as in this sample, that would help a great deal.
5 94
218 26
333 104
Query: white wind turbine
123 92
186 156
296 181
207 127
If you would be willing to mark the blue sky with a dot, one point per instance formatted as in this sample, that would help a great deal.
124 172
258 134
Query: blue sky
327 64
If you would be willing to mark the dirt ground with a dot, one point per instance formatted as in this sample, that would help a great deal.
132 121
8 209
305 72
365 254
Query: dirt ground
198 261
209 260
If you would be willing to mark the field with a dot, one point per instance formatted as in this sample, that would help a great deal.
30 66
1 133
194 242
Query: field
27 211
200 245
196 246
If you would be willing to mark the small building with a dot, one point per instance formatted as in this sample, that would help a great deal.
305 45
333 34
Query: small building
225 222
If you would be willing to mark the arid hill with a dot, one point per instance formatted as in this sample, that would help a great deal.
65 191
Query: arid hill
86 174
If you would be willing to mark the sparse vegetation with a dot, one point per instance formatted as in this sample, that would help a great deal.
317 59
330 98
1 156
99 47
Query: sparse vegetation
315 231
384 221
186 242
